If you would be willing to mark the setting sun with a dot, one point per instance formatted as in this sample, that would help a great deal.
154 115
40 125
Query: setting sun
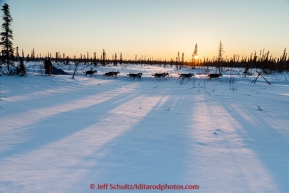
196 57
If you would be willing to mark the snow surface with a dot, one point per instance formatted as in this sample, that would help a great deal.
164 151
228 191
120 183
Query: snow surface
59 134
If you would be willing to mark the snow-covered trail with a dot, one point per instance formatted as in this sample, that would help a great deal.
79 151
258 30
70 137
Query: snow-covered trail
61 135
247 153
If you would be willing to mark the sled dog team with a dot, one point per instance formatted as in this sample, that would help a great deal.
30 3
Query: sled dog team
156 76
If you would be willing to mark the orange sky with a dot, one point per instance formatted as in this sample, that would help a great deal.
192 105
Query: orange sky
151 28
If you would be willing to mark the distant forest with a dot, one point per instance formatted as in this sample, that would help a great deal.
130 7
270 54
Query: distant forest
263 60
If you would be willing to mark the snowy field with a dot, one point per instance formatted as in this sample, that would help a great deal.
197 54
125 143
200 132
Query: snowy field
59 134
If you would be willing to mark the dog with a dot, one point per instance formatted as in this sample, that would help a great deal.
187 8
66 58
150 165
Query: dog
115 73
132 76
90 72
107 74
215 76
185 76
160 76
111 74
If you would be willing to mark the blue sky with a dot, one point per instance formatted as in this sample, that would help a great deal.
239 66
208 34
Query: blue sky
151 28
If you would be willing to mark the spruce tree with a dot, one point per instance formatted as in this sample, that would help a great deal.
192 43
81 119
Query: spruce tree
120 59
33 55
7 37
103 57
17 52
195 55
220 56
94 59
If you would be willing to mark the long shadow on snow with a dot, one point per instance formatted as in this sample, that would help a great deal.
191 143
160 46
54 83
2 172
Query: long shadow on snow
43 84
48 130
267 144
152 151
61 97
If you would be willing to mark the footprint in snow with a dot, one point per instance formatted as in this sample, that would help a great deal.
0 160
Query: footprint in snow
216 133
259 108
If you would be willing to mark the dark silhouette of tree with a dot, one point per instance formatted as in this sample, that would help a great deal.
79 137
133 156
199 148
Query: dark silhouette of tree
120 59
103 57
17 53
115 59
178 60
48 66
67 60
28 58
183 59
7 37
22 69
94 59
282 61
195 55
33 55
220 56
86 59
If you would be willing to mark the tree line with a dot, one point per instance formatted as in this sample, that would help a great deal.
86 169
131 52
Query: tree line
263 60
